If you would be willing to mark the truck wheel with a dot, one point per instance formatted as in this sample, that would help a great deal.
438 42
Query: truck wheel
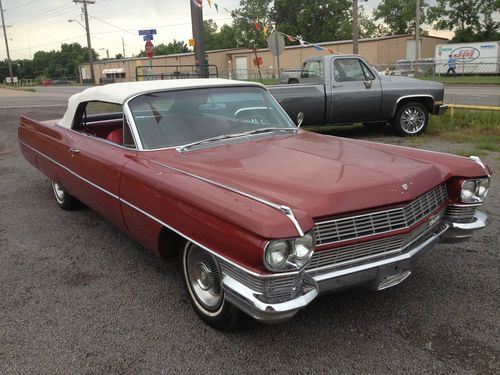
203 283
63 198
411 119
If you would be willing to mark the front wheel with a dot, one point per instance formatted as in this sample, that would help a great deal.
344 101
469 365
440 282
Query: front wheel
203 282
411 119
65 200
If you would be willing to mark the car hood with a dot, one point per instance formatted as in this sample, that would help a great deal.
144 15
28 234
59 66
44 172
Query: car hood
319 175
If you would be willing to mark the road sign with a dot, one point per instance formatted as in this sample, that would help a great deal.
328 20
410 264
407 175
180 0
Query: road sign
147 37
147 32
276 43
150 49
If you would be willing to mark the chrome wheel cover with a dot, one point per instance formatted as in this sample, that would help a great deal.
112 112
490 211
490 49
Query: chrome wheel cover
203 277
412 120
58 192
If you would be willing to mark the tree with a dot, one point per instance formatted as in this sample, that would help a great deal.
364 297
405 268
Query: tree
314 20
177 46
245 18
218 39
472 20
399 15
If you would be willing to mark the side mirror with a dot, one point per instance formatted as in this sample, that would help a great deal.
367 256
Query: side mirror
300 119
368 84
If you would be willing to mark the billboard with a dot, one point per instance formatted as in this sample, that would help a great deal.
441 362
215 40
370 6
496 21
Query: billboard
472 58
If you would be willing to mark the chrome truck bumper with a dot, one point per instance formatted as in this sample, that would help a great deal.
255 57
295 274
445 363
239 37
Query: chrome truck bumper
378 274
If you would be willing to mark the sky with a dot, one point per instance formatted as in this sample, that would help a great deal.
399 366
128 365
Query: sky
35 25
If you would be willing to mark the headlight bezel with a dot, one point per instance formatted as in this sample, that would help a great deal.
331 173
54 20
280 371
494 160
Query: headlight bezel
470 190
295 260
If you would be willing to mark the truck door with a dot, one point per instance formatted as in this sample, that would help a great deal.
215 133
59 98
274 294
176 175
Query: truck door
356 92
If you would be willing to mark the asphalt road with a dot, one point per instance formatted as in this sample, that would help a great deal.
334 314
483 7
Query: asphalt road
454 94
78 296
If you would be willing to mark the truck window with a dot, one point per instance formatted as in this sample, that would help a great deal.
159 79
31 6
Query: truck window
351 69
312 69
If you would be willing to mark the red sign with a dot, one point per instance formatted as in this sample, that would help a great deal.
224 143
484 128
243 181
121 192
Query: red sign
258 61
150 49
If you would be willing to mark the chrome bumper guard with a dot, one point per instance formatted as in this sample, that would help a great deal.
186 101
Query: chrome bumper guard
440 109
379 274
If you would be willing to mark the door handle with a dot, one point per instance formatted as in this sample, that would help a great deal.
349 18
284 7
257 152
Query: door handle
74 150
336 85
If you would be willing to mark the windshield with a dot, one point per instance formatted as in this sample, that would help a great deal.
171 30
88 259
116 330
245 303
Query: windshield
174 118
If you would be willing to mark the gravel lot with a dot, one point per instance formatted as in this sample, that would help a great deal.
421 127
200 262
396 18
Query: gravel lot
78 296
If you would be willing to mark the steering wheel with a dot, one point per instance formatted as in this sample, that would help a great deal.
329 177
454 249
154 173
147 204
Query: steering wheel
251 116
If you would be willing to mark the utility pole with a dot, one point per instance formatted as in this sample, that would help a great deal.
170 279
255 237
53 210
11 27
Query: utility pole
9 62
355 27
417 37
123 47
199 46
87 29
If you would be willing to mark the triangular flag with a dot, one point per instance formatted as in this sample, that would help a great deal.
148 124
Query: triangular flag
318 48
216 7
209 3
198 3
257 26
329 50
291 38
266 29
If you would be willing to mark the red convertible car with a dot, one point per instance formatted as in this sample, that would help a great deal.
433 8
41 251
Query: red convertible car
264 215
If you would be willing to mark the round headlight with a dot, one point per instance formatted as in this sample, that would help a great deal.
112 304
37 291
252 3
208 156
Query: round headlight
482 188
277 253
468 190
304 245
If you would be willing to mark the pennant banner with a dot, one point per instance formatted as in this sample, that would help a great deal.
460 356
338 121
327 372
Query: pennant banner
265 29
198 3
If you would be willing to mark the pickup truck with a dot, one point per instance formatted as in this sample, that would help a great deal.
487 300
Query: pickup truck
344 89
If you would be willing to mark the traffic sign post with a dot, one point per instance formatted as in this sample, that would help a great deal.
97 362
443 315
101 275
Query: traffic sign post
147 32
276 44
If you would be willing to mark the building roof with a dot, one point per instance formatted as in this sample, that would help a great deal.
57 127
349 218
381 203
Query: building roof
119 93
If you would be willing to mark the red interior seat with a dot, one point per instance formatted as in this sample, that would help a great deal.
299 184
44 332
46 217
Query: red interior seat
116 136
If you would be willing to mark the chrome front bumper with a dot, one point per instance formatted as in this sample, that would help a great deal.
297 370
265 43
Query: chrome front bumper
378 275
440 109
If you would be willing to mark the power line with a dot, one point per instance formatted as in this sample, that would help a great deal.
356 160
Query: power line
20 6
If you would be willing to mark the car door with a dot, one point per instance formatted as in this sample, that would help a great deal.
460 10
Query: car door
356 92
98 162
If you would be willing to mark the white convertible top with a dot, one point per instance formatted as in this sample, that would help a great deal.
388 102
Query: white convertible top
119 93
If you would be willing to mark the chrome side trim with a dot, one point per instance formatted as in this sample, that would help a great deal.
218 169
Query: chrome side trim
409 97
160 221
478 160
70 171
203 246
284 209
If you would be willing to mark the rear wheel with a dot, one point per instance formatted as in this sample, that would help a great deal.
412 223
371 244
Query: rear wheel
63 198
203 282
411 119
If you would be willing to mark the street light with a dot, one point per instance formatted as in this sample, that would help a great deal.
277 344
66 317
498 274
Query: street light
89 47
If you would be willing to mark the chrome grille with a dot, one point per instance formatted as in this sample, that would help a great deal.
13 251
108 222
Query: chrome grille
274 289
368 251
460 214
331 231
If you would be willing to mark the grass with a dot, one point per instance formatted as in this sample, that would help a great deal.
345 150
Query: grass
479 129
491 80
18 88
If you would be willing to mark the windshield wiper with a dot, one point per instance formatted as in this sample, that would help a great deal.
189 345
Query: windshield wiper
228 136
